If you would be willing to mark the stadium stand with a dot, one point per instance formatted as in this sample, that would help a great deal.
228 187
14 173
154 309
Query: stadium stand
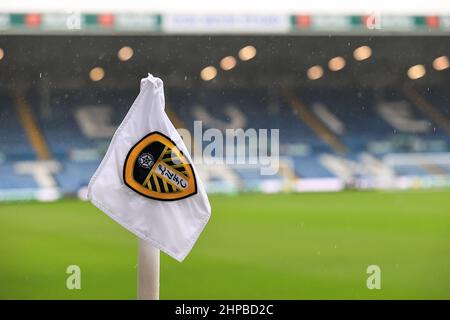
325 133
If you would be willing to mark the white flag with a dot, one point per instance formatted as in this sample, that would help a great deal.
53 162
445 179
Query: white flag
147 182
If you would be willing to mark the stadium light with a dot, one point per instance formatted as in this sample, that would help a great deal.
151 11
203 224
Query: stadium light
97 74
416 72
315 72
247 53
362 53
336 63
125 53
208 73
441 63
2 53
228 63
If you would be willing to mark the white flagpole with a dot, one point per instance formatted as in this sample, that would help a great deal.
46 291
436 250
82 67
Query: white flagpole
148 271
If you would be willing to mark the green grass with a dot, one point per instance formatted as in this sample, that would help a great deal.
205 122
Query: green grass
255 247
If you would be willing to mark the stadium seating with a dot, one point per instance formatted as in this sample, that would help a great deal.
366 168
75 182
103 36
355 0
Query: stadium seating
13 140
77 128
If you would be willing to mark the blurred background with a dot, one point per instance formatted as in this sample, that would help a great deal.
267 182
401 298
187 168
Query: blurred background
360 93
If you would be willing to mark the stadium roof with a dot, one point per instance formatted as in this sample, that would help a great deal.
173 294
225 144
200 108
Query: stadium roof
411 7
280 61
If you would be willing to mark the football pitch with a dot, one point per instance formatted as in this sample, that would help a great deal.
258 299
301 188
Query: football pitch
286 246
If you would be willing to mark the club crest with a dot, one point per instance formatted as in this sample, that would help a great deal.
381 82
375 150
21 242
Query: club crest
157 169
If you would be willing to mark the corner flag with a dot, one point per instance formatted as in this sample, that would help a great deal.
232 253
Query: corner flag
147 181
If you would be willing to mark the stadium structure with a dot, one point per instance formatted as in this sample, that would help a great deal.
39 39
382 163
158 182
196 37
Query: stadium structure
361 100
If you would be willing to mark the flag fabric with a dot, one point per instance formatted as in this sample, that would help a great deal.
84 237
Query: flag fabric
147 181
